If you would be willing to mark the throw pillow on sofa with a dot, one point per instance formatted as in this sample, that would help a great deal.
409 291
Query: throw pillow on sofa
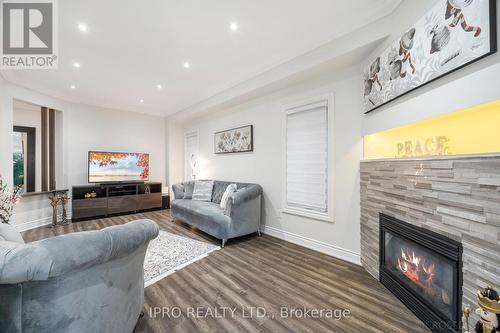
203 190
188 190
9 233
225 197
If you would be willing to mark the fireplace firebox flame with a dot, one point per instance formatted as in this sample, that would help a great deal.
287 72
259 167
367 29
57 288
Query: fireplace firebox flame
416 269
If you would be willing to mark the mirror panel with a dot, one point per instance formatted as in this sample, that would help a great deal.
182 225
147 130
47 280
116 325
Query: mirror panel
35 149
24 158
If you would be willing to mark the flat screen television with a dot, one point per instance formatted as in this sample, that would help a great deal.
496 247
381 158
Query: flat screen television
112 167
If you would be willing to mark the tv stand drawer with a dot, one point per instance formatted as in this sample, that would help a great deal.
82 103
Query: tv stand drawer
149 201
122 204
84 208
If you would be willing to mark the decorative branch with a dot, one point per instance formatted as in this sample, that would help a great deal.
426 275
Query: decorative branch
8 199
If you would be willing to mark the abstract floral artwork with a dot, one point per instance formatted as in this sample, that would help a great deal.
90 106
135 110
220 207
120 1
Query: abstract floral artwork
236 140
453 34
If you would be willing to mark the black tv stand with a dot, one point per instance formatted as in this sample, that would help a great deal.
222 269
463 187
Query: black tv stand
122 183
115 198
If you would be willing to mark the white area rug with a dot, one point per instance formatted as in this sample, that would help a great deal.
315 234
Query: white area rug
168 253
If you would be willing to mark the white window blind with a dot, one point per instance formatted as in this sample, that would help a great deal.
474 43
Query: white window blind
307 158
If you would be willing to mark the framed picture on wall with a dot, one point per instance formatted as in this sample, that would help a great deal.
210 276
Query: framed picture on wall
235 140
451 35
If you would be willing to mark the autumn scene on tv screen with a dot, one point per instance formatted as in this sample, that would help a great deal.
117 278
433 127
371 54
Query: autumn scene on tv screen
118 167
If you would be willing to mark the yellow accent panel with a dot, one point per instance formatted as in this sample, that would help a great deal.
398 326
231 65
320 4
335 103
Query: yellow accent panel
471 131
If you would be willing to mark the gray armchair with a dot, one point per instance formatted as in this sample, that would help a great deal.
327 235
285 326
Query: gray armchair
89 281
241 216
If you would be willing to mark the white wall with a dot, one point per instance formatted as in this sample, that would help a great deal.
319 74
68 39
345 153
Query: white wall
264 165
84 128
111 130
175 151
475 84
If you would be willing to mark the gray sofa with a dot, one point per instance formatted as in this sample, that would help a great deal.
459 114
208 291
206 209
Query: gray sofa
82 282
241 216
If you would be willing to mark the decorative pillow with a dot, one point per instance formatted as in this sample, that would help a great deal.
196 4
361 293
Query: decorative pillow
203 190
9 233
188 190
225 197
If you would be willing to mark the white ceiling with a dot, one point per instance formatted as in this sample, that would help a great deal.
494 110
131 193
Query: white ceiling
131 46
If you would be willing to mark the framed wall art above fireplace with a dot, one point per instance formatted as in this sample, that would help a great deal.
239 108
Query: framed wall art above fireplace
451 35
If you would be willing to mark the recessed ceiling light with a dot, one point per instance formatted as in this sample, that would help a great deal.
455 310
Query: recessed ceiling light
233 26
186 64
77 65
82 27
72 86
141 101
159 86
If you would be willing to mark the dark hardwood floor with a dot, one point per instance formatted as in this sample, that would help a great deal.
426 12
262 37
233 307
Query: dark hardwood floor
259 278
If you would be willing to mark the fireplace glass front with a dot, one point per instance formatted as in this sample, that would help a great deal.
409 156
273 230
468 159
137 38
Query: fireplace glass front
424 270
425 273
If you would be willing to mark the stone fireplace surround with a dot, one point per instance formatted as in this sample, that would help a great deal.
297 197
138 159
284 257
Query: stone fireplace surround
458 197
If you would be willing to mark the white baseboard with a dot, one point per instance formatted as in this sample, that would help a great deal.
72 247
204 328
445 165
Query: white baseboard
332 250
37 223
33 224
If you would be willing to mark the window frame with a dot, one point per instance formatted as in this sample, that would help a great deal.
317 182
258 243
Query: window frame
294 108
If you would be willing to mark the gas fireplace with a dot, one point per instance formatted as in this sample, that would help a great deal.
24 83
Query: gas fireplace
424 270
